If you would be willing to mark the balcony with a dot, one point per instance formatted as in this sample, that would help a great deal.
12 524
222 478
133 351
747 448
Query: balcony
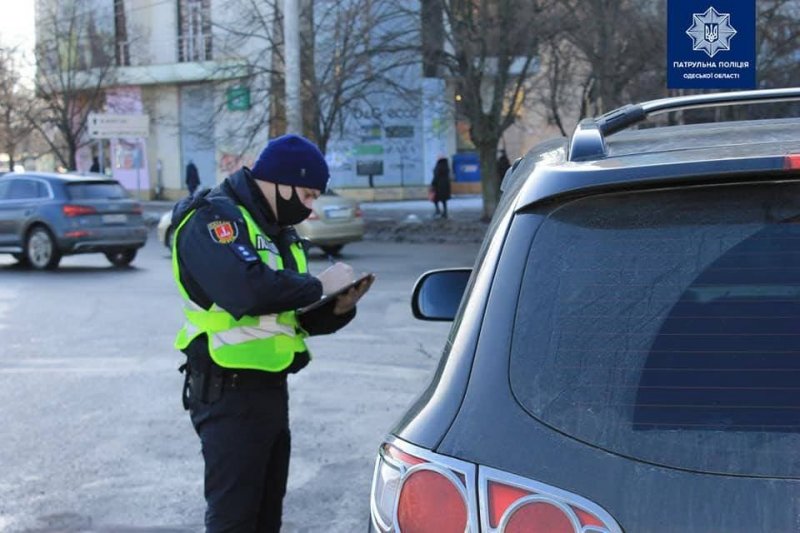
184 59
175 73
156 62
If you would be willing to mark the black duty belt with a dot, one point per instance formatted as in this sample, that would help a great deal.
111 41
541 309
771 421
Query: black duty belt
208 384
251 379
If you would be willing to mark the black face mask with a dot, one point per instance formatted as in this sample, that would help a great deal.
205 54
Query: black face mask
291 211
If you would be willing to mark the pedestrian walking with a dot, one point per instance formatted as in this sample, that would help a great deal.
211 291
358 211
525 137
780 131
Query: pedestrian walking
502 165
440 186
192 177
95 165
243 274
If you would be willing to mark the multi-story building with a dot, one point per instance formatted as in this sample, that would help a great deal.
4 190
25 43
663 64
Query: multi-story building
173 65
202 70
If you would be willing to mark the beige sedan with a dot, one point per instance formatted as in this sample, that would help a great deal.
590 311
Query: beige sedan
334 221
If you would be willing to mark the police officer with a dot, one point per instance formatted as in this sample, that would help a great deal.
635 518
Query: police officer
242 272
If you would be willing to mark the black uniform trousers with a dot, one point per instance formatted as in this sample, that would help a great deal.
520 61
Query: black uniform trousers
246 444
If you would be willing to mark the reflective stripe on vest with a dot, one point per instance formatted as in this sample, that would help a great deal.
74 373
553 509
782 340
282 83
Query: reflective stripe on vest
266 342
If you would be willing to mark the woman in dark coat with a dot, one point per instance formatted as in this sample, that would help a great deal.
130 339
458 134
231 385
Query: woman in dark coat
192 177
440 186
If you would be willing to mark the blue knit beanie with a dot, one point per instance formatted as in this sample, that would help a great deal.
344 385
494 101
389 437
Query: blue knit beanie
292 160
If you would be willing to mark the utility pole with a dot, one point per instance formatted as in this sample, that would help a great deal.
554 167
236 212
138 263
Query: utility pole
291 31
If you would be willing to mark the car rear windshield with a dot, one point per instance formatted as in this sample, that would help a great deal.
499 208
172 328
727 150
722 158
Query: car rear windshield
101 190
665 326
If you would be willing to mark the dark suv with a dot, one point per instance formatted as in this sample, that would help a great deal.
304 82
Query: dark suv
46 216
626 355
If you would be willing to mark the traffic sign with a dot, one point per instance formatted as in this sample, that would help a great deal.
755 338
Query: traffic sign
110 126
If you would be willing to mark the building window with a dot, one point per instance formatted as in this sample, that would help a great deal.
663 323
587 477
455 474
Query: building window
122 50
194 30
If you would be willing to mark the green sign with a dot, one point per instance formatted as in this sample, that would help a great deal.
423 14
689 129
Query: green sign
238 98
368 149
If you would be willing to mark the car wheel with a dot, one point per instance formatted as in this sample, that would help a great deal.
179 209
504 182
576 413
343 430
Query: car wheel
333 250
121 258
22 259
41 250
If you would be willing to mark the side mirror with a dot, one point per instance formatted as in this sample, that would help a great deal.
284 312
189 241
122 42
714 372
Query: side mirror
437 293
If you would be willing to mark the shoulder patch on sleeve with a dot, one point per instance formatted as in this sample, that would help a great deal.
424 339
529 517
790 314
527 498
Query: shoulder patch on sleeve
245 252
223 231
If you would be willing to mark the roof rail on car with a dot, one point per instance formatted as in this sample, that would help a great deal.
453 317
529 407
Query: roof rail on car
588 140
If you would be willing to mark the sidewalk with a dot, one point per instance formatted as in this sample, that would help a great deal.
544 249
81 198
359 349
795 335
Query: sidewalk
398 221
462 206
466 207
413 221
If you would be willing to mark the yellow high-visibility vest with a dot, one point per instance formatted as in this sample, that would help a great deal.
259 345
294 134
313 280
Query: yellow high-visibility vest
266 342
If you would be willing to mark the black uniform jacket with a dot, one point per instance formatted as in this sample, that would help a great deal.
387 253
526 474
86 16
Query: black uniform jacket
219 264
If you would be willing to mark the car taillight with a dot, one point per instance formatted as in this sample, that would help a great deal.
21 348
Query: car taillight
793 162
358 213
431 500
513 504
137 209
78 210
417 491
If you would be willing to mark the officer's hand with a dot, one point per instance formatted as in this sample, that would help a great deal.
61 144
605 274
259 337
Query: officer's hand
335 277
348 300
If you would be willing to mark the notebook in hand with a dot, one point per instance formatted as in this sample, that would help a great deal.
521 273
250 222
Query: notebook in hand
332 296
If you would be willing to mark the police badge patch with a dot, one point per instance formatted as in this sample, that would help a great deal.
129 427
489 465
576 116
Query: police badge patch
223 231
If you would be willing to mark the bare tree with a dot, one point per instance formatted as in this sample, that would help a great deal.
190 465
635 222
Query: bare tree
491 51
623 61
75 61
15 99
360 50
778 32
565 85
595 63
350 53
617 64
777 62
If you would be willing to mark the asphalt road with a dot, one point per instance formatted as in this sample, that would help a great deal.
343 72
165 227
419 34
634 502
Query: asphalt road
92 434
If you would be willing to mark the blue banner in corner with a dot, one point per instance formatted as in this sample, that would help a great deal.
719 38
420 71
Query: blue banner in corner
711 44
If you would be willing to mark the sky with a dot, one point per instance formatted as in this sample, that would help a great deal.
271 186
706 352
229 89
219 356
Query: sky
16 22
17 26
